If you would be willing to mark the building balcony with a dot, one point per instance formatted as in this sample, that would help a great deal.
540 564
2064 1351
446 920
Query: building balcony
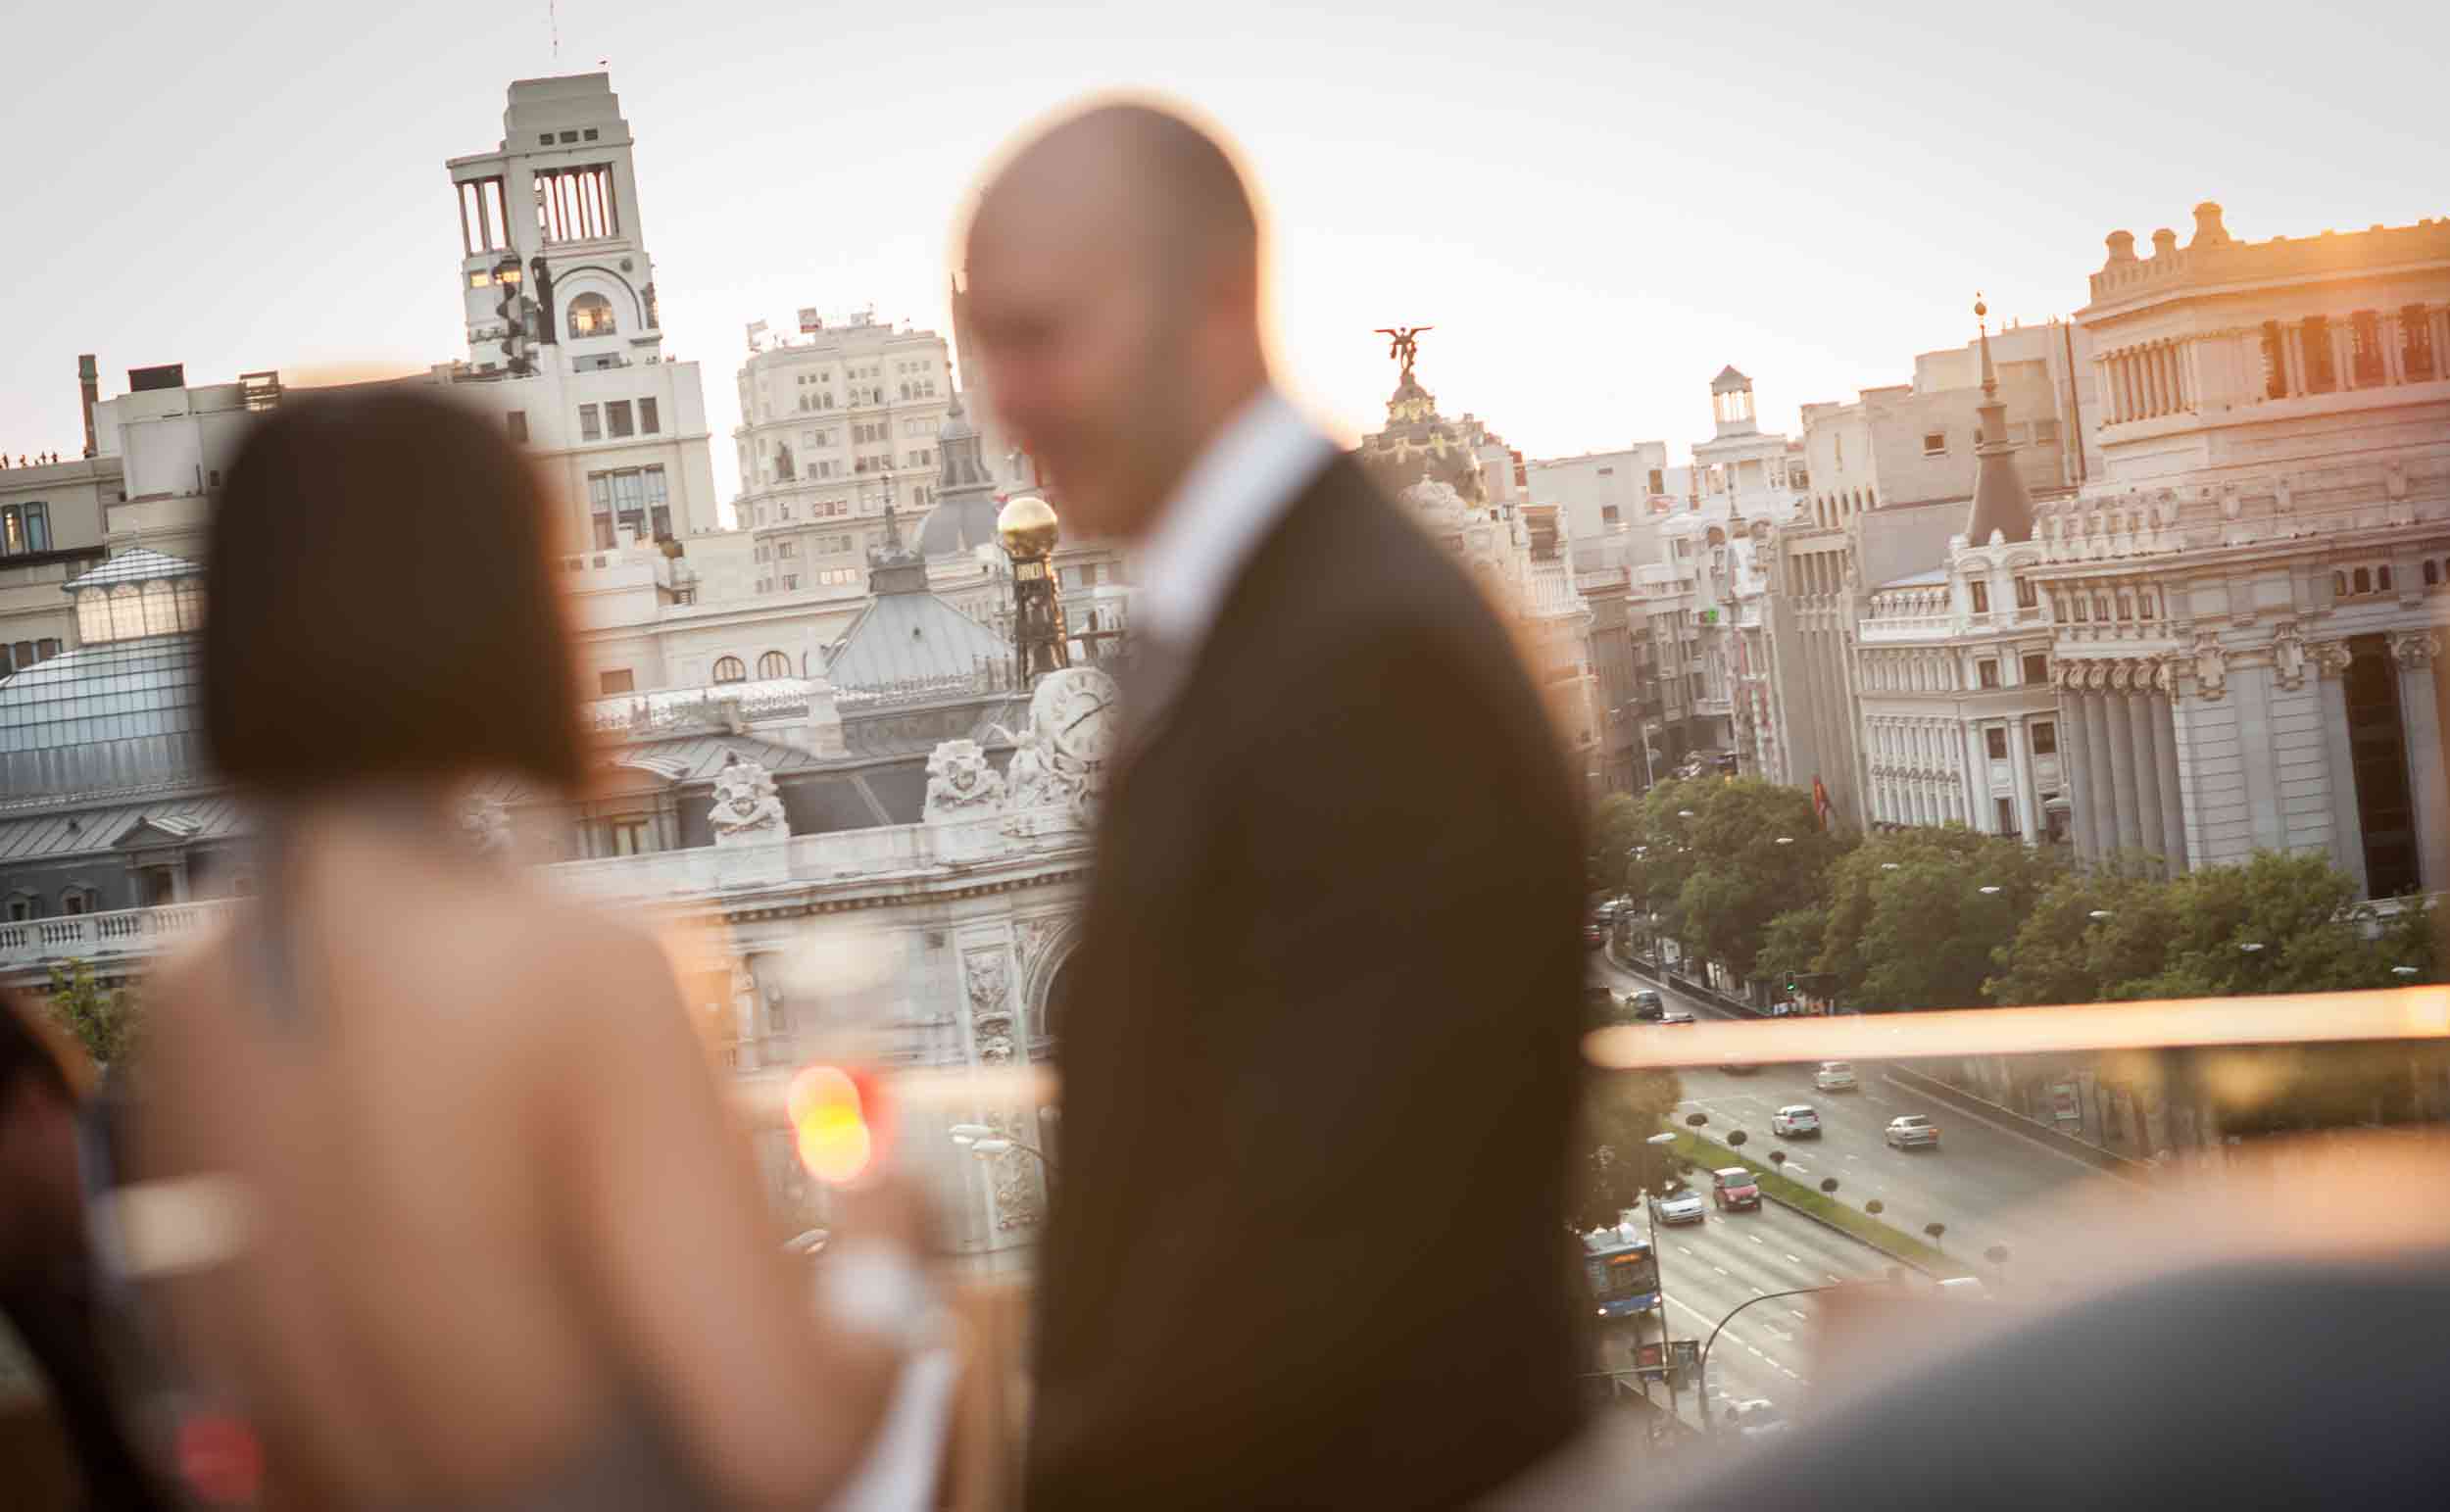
125 934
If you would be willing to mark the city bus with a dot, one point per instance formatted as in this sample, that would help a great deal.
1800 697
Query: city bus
1621 1271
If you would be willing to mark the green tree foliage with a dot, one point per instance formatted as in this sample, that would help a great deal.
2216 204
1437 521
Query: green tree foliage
1615 828
1791 945
2185 937
1933 929
1718 878
104 1021
1621 1111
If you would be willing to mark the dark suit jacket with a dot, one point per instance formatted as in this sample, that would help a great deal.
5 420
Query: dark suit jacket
1308 1243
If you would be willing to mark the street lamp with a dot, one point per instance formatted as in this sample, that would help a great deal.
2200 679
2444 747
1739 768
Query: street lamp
2250 947
2098 914
1888 865
2405 971
1785 840
1989 889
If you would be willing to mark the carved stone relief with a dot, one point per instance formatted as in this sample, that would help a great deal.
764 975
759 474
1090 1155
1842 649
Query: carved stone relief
987 974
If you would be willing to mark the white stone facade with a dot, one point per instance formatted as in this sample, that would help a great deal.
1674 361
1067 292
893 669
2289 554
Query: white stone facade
2247 609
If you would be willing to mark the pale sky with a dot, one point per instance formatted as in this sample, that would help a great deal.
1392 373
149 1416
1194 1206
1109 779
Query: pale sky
1596 206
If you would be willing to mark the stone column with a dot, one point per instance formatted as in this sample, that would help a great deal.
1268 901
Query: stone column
2089 768
2347 846
2135 677
2122 742
2100 813
2387 329
2163 715
2420 717
2021 773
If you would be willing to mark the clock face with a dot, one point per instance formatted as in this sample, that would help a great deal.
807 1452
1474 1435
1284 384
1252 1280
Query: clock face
1074 711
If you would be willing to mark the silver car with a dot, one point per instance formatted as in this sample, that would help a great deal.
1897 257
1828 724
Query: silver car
1912 1131
1684 1207
1834 1076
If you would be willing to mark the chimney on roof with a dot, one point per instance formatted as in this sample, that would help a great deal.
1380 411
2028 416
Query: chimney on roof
89 389
2209 232
2164 242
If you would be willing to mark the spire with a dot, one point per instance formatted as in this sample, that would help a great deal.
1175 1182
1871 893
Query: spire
2001 506
893 532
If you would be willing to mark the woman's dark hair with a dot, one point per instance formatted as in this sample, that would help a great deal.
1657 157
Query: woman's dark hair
377 602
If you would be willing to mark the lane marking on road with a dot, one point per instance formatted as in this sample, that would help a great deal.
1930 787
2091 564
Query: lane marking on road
1760 1291
1685 1249
1721 1269
1838 1279
1755 1353
1800 1313
1799 1259
1854 1157
1755 1238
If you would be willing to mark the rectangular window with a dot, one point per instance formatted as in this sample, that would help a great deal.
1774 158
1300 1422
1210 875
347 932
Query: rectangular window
2274 361
599 508
617 419
1608 514
2365 349
2045 738
2416 345
1996 742
2321 375
786 548
627 836
791 580
1986 672
1936 443
2007 816
590 423
2037 667
1658 481
2024 593
1982 597
618 680
649 422
25 527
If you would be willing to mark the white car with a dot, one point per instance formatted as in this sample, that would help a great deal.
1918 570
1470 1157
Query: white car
1755 1418
1834 1076
1797 1121
1912 1131
1684 1207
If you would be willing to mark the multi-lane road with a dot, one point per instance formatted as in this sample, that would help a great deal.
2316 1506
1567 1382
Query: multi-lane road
1987 1183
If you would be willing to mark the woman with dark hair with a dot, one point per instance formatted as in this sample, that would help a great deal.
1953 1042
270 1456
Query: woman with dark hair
498 1243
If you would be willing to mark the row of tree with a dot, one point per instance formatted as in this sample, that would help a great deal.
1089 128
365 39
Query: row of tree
1741 872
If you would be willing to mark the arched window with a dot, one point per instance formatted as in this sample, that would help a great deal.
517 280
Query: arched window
591 314
2084 609
190 594
774 664
127 612
2364 581
2433 572
161 609
730 669
79 899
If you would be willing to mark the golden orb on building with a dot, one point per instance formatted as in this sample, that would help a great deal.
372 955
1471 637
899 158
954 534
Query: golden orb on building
1028 529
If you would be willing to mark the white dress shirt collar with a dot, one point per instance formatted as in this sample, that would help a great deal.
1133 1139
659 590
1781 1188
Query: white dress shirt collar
1219 514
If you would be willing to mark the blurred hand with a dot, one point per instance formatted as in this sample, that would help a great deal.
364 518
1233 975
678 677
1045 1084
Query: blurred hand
890 1206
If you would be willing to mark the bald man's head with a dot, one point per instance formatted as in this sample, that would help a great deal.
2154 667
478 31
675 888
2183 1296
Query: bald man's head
1115 302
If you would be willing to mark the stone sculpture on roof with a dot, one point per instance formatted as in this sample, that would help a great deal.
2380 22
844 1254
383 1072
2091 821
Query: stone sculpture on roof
746 808
960 783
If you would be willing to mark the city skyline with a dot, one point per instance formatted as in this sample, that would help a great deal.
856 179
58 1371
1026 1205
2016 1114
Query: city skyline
1596 219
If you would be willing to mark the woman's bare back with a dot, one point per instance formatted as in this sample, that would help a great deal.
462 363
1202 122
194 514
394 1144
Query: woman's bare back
408 1313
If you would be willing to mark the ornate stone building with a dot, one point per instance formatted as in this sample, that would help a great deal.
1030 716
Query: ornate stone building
2246 608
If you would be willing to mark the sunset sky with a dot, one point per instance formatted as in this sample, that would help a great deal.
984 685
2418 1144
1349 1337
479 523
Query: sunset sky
1597 207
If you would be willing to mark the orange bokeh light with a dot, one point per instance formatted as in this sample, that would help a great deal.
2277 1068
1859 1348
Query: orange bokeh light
830 1123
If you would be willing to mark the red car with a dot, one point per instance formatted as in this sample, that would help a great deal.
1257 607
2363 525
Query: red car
1735 1187
1593 935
